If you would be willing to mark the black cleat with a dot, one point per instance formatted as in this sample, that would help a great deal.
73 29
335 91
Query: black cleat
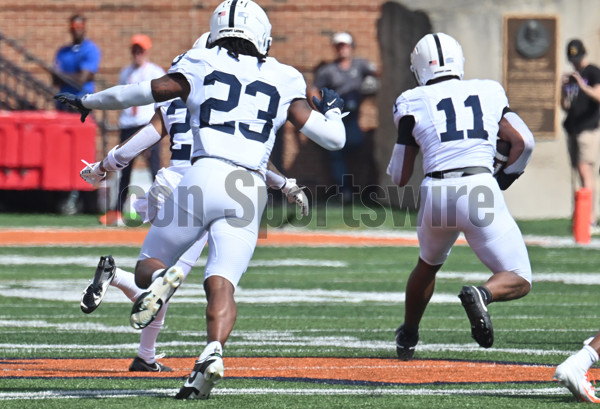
405 343
481 323
139 365
94 293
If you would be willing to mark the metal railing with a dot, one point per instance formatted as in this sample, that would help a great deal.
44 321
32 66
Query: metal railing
20 90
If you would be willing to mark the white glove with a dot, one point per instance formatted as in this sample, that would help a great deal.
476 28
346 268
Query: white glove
92 173
294 193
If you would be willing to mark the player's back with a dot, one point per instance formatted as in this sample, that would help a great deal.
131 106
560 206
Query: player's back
237 105
456 121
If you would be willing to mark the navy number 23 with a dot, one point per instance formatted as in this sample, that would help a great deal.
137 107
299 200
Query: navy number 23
233 100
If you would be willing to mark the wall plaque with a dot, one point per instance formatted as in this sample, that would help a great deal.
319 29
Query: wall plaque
530 71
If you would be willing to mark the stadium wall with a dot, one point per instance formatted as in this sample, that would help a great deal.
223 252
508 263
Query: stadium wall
301 31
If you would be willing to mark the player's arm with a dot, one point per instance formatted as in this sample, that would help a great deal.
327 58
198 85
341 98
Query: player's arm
121 155
325 127
402 162
294 193
514 131
167 87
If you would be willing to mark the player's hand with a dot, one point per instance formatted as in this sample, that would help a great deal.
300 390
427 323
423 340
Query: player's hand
92 173
295 193
74 102
329 100
506 179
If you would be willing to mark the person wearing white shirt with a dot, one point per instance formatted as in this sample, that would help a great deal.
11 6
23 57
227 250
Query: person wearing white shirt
134 118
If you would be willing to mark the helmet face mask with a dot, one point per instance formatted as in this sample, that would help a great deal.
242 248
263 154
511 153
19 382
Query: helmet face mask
436 55
242 19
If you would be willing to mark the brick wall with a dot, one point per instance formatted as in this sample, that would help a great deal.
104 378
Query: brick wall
301 32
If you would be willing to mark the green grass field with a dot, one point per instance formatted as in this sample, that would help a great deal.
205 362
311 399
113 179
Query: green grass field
295 302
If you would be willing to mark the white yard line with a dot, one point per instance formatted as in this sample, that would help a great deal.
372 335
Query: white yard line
92 261
359 391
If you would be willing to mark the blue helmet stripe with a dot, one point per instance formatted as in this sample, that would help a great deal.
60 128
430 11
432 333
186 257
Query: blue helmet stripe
232 13
438 44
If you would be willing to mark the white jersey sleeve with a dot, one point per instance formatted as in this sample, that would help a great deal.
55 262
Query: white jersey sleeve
456 122
237 105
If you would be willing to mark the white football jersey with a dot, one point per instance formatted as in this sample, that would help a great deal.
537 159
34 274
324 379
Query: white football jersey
237 106
456 122
176 118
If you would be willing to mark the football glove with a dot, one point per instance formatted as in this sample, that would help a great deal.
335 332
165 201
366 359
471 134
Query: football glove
329 100
74 102
506 179
295 193
92 173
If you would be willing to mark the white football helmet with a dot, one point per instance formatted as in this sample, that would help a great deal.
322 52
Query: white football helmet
203 41
436 55
244 19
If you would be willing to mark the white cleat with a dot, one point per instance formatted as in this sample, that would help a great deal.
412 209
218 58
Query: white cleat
577 381
147 306
205 375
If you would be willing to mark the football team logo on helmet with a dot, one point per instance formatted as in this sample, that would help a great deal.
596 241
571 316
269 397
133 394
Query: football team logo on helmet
243 19
436 55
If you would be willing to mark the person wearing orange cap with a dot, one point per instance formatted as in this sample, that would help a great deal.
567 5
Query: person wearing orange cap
134 118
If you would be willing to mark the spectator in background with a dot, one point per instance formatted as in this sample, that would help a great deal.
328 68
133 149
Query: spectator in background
76 65
77 62
581 99
346 76
134 118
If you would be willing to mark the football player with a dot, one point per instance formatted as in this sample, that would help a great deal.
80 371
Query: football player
238 97
171 118
456 124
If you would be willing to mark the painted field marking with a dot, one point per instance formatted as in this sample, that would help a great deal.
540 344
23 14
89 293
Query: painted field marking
130 393
374 371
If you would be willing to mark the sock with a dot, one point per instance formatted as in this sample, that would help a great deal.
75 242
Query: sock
147 348
486 294
125 281
211 348
592 354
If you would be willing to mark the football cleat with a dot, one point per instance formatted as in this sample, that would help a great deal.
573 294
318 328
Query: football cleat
481 323
405 343
205 375
94 293
147 306
139 365
576 380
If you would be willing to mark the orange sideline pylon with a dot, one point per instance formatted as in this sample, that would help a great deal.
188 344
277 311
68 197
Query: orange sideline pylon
582 215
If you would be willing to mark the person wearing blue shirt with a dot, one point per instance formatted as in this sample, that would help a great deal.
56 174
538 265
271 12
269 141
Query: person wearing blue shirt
77 62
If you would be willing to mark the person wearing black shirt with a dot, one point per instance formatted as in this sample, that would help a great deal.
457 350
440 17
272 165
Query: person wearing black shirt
581 100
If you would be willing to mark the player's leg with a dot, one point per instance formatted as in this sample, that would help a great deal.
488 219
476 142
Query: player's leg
497 241
232 241
149 335
435 242
230 251
178 225
499 244
573 372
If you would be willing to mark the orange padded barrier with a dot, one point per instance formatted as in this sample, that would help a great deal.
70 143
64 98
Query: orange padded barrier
43 150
